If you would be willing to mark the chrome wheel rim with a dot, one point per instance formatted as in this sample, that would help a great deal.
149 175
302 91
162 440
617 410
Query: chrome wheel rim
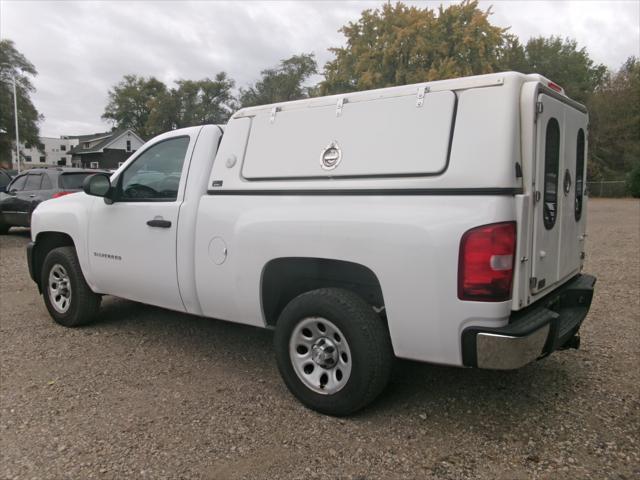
320 355
59 288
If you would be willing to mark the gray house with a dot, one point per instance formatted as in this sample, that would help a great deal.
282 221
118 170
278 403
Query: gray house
106 150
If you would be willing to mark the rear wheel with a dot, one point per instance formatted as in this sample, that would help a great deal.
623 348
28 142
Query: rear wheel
4 228
333 351
67 296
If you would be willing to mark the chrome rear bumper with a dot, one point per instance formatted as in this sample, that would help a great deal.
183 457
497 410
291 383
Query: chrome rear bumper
501 352
535 332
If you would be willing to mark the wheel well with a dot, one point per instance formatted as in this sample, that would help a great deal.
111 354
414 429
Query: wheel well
283 279
45 242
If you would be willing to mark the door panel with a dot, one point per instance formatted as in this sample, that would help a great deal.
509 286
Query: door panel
572 229
550 145
26 199
131 259
132 242
9 205
29 198
289 144
557 233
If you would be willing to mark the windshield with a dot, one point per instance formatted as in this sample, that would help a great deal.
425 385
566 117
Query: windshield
73 181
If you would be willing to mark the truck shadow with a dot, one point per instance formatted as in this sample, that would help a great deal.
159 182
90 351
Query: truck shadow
422 394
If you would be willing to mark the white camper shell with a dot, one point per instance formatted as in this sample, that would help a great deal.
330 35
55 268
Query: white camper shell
470 135
442 222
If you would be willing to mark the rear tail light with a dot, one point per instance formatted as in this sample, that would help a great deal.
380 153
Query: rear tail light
60 194
485 268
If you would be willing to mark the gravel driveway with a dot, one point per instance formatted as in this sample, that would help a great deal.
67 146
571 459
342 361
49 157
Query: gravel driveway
148 393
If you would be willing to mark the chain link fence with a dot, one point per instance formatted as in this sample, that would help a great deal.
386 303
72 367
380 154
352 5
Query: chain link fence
608 188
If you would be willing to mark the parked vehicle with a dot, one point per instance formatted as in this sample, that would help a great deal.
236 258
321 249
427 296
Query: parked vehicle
26 191
5 180
442 222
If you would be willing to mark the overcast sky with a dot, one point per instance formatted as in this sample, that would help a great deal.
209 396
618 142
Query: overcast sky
81 49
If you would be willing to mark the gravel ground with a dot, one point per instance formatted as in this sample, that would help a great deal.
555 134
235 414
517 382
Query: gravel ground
148 393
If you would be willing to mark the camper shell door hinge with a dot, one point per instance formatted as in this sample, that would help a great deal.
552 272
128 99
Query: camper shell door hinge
539 109
339 105
422 91
272 117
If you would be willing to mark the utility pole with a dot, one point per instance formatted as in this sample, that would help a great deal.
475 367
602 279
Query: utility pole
15 113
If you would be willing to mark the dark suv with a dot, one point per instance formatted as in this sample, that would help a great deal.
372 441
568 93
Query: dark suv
27 190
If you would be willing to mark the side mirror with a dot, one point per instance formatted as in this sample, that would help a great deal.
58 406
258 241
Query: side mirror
97 185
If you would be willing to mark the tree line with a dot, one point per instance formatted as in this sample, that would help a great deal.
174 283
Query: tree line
150 107
392 45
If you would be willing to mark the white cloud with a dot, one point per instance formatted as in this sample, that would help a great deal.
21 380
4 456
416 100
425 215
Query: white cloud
81 49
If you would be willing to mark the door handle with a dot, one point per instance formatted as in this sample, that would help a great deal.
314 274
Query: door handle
32 195
159 223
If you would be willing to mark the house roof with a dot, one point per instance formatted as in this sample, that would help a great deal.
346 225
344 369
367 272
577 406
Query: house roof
105 139
85 138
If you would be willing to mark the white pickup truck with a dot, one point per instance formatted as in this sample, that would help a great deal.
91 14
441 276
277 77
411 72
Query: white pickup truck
442 222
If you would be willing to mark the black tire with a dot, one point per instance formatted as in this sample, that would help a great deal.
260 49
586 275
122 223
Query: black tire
4 228
367 338
83 304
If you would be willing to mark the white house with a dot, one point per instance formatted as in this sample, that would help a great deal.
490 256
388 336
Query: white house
56 152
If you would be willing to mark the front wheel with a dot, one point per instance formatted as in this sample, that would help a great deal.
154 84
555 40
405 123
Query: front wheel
68 298
333 351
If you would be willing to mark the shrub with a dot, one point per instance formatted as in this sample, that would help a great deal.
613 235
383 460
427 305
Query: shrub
633 181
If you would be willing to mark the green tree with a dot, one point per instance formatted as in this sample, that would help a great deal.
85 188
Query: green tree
164 114
131 102
399 44
512 56
560 61
150 108
14 64
614 113
204 101
192 103
282 83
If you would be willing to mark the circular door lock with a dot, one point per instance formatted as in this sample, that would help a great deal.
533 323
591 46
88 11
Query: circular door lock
331 156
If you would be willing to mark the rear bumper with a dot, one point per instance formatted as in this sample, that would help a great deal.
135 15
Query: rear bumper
534 332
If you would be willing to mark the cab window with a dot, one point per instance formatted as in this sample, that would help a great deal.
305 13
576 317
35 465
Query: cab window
33 182
72 181
46 183
155 174
18 184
